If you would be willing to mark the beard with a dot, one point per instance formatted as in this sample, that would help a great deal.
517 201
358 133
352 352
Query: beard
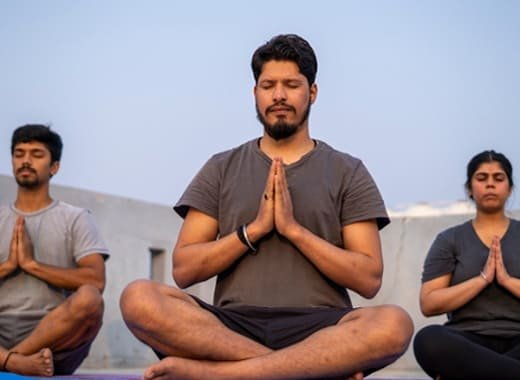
30 182
281 129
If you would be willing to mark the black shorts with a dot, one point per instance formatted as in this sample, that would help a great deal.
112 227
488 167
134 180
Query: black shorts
66 362
276 327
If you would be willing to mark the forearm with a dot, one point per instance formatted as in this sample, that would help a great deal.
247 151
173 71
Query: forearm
450 298
6 268
357 271
512 284
66 278
197 262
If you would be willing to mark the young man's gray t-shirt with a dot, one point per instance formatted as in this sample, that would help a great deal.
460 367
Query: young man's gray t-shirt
61 235
329 190
459 251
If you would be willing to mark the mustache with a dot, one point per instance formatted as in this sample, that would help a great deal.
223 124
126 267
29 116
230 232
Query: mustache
280 104
26 167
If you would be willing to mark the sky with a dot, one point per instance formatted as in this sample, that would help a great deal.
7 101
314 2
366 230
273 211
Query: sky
144 92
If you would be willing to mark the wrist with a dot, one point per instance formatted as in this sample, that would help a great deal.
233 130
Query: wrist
484 277
292 232
8 267
255 231
244 238
504 280
29 265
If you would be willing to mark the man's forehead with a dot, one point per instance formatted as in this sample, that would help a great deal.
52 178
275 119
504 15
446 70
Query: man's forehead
30 145
280 68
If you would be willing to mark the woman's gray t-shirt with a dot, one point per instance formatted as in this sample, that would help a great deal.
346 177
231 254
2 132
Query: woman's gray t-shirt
459 251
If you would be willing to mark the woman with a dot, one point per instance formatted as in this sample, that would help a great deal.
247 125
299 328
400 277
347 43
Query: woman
472 273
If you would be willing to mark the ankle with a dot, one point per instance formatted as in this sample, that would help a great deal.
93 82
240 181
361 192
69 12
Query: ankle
4 365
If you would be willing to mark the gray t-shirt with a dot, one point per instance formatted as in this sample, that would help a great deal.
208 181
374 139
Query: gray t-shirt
459 251
61 235
329 190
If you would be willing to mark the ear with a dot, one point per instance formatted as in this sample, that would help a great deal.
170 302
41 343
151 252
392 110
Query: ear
55 167
469 193
313 90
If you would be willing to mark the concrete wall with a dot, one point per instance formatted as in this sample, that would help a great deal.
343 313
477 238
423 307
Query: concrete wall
131 228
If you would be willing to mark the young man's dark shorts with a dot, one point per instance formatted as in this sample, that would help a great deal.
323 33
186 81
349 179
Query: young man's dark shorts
276 327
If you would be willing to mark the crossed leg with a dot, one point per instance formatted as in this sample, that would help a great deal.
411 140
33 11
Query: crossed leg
76 321
199 346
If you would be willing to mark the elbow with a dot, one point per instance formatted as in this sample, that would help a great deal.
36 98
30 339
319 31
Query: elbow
99 285
180 271
181 278
427 312
371 288
428 309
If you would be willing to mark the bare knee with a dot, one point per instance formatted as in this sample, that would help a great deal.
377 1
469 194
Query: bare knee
397 327
134 298
86 303
389 328
141 299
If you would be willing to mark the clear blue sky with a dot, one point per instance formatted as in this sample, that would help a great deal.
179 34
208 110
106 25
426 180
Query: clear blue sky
144 92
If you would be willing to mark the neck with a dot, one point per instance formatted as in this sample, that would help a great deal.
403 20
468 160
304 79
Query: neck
290 149
494 218
31 200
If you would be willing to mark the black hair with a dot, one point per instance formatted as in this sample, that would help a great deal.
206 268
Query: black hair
286 47
488 156
41 133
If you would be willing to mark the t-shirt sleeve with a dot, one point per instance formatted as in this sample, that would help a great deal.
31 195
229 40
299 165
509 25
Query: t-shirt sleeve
86 239
362 200
202 193
440 259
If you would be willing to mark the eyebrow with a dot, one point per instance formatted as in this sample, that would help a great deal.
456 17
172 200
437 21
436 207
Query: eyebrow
29 150
287 81
492 173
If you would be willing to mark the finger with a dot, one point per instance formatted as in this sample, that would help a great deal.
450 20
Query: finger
498 257
283 177
279 187
498 246
281 180
14 237
269 185
20 228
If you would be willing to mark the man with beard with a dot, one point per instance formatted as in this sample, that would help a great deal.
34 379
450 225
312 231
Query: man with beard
52 269
286 223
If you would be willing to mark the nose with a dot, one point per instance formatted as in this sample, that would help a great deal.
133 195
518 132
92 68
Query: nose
26 160
490 182
279 93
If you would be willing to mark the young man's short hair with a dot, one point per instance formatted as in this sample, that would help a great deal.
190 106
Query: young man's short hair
40 133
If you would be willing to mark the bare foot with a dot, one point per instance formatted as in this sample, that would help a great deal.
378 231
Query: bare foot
175 368
38 364
356 376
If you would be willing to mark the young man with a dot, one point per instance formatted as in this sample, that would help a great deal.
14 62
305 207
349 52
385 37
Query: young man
286 223
52 269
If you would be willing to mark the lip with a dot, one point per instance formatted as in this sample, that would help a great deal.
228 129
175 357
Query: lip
280 108
26 171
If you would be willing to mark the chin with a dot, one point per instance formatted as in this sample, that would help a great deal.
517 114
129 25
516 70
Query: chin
491 209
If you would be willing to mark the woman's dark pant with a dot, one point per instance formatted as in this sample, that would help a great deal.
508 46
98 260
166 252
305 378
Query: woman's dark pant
453 354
